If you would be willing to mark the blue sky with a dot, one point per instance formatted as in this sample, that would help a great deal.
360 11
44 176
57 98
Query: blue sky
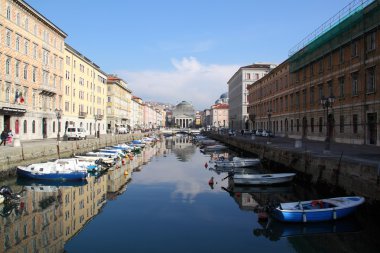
173 50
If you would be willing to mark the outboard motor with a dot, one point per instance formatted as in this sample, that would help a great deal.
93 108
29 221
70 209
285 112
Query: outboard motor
8 193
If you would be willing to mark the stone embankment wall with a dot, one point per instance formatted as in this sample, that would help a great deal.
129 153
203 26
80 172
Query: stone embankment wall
31 153
354 177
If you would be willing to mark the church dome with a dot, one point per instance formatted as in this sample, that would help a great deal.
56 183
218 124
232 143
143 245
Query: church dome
224 95
184 108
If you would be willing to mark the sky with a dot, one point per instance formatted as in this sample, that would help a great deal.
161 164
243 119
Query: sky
184 50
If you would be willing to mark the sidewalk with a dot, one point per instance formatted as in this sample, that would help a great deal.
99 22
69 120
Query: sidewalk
361 153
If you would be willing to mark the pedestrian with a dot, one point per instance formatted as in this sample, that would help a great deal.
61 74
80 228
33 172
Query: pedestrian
4 136
10 136
242 131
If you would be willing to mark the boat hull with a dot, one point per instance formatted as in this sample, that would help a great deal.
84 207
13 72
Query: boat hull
319 214
72 176
235 164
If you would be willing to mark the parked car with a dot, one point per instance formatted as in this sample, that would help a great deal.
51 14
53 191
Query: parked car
267 133
76 133
259 132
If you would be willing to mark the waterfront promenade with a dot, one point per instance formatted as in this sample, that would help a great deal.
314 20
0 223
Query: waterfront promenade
367 154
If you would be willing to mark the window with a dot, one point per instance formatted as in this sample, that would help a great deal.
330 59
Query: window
330 87
320 124
18 18
26 24
8 66
8 41
17 69
341 86
8 12
355 123
341 55
26 47
17 43
248 76
26 71
312 125
67 106
33 127
371 82
34 51
371 41
7 93
34 74
329 61
311 69
304 98
354 83
320 66
354 49
320 91
311 95
298 125
68 60
341 124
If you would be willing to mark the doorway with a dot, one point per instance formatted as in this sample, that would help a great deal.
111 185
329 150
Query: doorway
372 128
44 130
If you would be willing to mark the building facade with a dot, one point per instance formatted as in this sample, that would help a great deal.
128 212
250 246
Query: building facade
184 115
137 111
85 93
237 92
219 115
329 89
119 98
31 72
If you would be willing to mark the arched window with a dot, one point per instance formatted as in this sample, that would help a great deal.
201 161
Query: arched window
26 71
33 126
17 69
17 43
25 127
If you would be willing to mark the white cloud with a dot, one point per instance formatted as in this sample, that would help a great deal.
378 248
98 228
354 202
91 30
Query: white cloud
190 80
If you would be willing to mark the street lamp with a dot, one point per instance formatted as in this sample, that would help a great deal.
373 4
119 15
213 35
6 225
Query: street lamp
58 113
96 117
269 124
326 104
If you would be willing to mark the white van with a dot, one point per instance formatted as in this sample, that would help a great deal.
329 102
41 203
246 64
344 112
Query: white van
76 133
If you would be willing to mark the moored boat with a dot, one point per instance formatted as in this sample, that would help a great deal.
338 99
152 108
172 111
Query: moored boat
263 179
317 210
52 171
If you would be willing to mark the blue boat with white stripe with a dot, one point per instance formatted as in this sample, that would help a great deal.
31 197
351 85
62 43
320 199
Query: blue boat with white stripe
317 210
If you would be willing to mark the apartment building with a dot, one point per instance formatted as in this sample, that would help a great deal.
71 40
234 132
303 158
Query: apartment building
31 71
137 111
237 92
119 98
85 93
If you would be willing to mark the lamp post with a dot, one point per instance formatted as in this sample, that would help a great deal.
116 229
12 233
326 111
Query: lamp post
58 113
96 117
269 124
326 104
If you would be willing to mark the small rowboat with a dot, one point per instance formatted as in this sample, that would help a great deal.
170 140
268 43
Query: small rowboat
263 179
317 210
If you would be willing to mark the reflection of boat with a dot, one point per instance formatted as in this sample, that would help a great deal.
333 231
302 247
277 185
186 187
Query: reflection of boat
317 210
263 179
274 230
32 182
237 162
259 188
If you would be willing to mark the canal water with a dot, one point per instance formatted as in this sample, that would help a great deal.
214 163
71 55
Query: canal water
161 202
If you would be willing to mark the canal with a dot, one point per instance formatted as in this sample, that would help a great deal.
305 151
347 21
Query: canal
161 202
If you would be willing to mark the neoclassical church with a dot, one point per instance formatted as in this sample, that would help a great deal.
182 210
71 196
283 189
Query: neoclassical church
184 115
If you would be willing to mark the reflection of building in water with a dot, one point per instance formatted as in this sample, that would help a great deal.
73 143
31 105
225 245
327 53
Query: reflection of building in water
117 180
80 204
183 147
38 226
245 201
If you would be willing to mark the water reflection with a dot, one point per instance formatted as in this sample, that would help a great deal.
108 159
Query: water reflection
51 213
181 146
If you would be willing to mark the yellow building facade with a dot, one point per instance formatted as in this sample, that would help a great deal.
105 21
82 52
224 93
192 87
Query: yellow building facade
84 95
119 98
31 71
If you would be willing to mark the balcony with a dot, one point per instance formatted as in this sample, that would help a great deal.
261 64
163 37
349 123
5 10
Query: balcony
48 90
82 115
